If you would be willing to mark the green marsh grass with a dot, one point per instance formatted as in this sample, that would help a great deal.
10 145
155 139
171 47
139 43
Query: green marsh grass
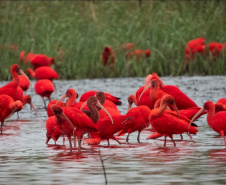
83 28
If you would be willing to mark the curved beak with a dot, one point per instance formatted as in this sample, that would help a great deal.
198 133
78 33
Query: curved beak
32 106
21 72
69 121
83 105
175 108
145 89
129 106
47 139
61 98
101 106
195 116
14 110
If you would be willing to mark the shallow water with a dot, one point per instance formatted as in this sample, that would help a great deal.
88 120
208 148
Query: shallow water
26 159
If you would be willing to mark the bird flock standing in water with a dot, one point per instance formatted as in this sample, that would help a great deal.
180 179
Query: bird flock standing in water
164 108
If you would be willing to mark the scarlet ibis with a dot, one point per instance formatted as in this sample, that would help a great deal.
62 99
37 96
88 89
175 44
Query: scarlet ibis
24 83
52 131
181 99
216 121
69 118
27 58
167 122
155 92
216 48
220 105
8 107
41 60
108 55
44 88
11 88
107 129
140 121
27 99
108 105
44 72
191 46
108 96
71 96
49 111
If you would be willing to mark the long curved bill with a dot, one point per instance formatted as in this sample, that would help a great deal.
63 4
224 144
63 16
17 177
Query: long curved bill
145 89
83 105
14 110
61 98
21 72
129 106
32 106
195 116
69 121
101 106
47 139
175 108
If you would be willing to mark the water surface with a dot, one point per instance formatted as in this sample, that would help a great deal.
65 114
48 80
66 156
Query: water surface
26 159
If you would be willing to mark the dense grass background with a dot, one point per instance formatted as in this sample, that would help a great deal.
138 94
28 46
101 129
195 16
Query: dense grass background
83 29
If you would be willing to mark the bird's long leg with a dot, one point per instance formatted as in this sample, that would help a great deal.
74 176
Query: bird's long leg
171 137
79 144
63 140
116 140
164 142
69 139
138 137
189 135
222 134
74 141
1 127
55 87
108 142
44 102
18 117
127 138
181 136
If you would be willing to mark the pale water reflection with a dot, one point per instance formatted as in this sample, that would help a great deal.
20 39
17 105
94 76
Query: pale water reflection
26 159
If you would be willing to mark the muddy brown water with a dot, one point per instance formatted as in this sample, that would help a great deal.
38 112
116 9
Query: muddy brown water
26 159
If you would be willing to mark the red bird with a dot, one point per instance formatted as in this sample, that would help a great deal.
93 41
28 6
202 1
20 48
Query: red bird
41 60
167 122
181 99
140 121
11 88
71 96
216 121
52 131
28 57
69 118
108 55
108 105
44 88
27 99
7 107
107 129
49 111
216 48
109 97
191 48
44 72
24 83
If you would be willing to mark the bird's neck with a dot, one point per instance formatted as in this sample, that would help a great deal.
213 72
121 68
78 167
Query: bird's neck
134 99
15 79
94 114
71 101
210 114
